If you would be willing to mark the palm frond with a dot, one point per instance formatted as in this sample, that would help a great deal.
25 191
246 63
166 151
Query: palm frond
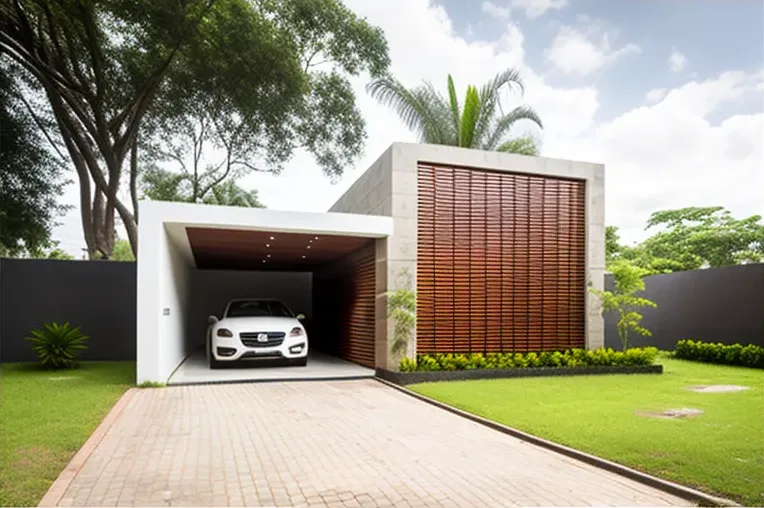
504 124
454 109
525 145
490 101
417 108
470 117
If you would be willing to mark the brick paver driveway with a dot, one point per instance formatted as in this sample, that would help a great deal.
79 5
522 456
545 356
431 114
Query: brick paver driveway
351 443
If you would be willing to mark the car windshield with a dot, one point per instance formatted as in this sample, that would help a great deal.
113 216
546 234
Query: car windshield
258 308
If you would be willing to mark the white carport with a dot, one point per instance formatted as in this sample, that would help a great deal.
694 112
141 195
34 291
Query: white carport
167 260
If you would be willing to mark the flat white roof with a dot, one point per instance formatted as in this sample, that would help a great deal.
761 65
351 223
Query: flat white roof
176 217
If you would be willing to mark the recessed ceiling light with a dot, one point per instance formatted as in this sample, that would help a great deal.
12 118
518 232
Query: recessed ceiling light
269 255
309 246
316 238
267 245
310 241
272 238
263 261
303 257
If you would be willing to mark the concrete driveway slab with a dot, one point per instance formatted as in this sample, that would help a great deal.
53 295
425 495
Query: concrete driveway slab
340 443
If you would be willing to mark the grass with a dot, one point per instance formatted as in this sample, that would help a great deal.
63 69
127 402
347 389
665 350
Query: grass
721 451
45 416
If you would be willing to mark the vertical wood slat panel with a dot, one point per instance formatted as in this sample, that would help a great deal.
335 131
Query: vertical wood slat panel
359 346
500 261
344 302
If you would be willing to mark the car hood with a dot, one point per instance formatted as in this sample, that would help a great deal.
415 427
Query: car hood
259 324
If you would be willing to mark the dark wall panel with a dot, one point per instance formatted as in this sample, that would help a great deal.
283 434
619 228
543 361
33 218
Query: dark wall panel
98 296
344 307
500 261
714 305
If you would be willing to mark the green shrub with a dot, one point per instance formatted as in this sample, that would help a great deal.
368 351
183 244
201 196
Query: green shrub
572 358
57 345
735 354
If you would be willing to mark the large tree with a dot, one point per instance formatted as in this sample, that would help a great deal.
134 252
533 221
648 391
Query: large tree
479 122
691 238
108 66
30 175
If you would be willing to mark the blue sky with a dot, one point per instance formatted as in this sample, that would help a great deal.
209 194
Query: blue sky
667 94
713 35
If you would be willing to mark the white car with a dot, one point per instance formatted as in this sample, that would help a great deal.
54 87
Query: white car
256 329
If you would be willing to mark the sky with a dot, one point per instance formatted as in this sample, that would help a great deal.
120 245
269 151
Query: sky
667 94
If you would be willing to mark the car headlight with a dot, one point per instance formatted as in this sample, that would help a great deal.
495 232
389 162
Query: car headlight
224 332
296 331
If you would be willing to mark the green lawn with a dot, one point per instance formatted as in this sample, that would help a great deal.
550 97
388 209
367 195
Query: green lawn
45 417
721 451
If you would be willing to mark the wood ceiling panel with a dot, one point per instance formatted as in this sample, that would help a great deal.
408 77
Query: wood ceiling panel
231 249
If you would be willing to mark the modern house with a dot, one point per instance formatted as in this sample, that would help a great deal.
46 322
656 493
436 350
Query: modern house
499 248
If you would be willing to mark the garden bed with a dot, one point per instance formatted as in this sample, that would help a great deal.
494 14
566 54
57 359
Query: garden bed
407 378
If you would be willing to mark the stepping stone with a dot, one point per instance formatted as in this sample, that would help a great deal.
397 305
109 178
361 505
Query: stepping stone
717 388
672 414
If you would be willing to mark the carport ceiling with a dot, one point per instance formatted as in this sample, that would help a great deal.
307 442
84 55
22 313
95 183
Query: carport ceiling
235 249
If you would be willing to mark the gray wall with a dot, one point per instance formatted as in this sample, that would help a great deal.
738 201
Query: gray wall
210 290
714 305
98 296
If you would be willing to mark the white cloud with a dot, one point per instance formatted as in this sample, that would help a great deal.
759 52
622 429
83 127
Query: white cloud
669 155
535 8
656 95
495 10
585 50
663 155
677 61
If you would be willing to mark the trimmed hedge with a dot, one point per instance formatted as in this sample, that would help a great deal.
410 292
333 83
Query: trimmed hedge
736 354
568 358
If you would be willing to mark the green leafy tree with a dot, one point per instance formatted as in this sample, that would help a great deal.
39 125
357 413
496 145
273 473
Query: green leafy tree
230 194
691 238
624 300
612 244
705 237
479 122
31 175
115 73
122 251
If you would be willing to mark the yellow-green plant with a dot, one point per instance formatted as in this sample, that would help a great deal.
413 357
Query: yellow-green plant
401 308
624 300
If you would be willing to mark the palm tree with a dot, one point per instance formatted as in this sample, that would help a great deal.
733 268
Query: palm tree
480 123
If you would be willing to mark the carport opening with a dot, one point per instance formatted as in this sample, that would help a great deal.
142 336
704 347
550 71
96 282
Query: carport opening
328 278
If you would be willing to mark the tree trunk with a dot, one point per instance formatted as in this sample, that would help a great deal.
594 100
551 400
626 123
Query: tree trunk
132 232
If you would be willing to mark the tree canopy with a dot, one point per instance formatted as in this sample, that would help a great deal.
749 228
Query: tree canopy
691 238
478 122
30 178
270 76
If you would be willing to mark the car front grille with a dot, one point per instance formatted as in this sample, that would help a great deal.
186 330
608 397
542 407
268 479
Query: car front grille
250 339
254 355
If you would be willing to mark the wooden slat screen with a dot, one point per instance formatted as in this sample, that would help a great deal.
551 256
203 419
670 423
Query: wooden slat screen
359 347
500 261
343 303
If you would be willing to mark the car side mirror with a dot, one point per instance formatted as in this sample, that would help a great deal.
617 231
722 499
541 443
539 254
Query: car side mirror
301 316
211 320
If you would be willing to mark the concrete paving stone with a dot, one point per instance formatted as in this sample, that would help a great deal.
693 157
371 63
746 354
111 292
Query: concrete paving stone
350 443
